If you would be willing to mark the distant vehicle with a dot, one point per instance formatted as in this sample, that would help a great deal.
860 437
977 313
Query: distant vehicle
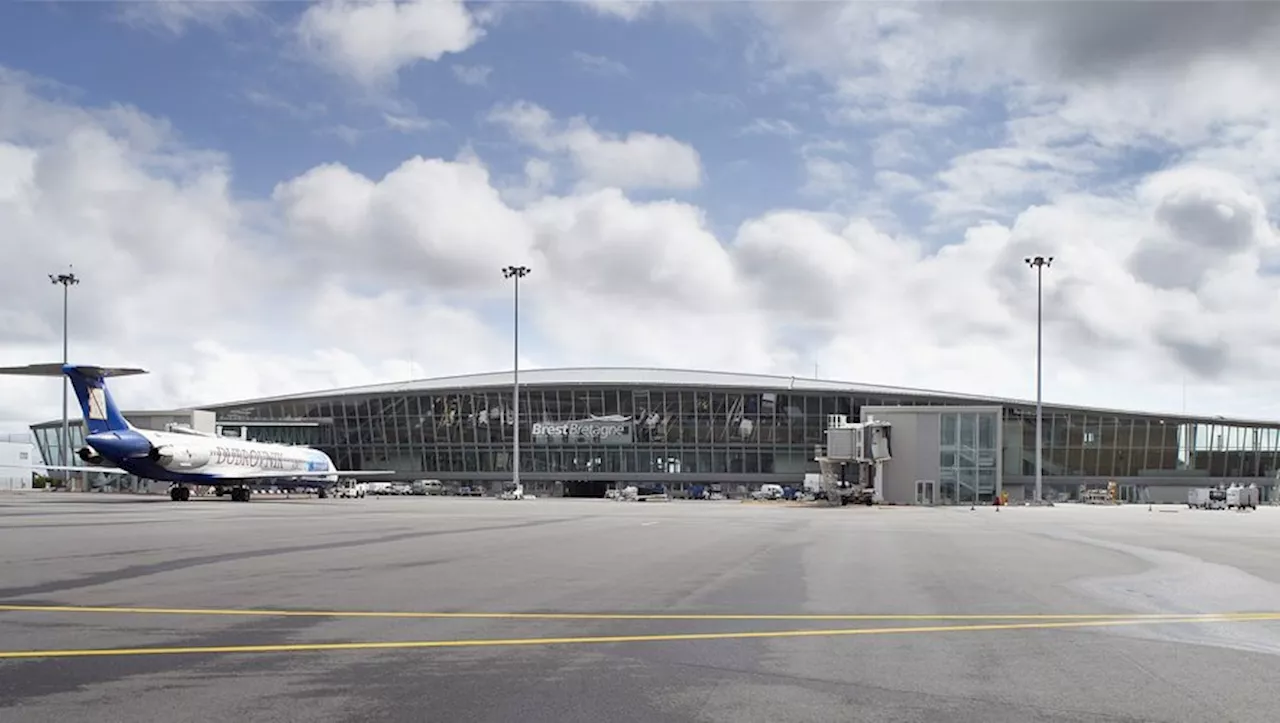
350 489
182 456
768 492
1240 497
1207 498
513 491
648 492
1198 498
428 487
1097 496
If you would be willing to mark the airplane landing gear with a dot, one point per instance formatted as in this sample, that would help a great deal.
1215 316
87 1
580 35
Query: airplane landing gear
178 493
240 494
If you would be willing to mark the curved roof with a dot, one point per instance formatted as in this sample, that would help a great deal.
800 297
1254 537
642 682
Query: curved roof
615 376
685 378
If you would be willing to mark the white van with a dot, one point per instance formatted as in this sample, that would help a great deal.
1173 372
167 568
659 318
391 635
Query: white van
428 487
768 492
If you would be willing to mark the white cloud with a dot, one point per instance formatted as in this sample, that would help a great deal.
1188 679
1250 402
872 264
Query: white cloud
599 65
472 74
1154 190
627 10
637 160
538 180
429 221
827 171
409 123
370 40
769 126
1025 101
175 17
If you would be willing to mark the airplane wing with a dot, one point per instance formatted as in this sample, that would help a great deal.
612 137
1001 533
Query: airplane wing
302 474
29 468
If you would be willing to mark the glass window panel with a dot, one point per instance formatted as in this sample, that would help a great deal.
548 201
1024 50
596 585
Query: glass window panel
950 429
967 485
987 431
947 493
968 448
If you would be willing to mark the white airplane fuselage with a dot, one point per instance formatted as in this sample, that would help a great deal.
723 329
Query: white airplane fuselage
200 459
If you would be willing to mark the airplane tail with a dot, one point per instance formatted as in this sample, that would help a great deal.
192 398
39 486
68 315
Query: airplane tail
90 382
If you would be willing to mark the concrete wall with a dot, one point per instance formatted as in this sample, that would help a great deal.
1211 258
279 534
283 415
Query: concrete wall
20 454
204 421
915 443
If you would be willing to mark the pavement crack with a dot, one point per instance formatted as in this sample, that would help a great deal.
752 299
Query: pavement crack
843 685
137 571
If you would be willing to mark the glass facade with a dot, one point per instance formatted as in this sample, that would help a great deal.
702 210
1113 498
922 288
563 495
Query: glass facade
570 431
48 437
709 431
690 434
1092 444
968 448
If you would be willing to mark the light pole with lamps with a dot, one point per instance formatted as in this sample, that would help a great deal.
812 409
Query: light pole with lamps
517 273
1039 263
67 280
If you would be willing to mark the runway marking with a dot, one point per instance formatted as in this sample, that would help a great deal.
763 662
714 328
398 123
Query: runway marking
250 612
419 644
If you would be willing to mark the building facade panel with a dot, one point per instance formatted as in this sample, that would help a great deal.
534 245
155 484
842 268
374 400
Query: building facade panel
682 433
580 430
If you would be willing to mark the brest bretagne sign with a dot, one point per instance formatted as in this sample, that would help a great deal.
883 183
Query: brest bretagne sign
598 430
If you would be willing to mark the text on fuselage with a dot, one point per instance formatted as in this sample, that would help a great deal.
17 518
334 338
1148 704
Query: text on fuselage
258 459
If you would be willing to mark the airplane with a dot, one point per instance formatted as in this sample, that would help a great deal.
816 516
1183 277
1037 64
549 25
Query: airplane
182 456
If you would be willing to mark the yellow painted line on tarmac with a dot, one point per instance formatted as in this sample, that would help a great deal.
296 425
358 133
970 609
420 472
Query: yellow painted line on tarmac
250 612
486 643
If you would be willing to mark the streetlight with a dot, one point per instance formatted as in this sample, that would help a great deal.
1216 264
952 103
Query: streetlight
67 280
1039 263
517 273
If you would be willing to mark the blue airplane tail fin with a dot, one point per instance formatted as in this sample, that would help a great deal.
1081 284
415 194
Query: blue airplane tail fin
90 382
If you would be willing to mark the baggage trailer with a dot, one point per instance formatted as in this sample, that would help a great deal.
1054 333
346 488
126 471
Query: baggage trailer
1239 497
1198 498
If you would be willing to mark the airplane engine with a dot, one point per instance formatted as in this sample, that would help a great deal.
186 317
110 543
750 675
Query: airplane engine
172 456
161 455
90 456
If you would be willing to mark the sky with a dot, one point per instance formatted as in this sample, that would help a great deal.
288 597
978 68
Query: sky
276 197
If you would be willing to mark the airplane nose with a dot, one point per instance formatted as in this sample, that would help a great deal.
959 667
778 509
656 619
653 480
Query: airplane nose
119 445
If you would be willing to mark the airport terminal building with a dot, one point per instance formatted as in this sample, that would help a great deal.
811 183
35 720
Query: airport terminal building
583 430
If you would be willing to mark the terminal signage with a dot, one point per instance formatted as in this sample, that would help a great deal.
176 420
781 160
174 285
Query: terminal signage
609 430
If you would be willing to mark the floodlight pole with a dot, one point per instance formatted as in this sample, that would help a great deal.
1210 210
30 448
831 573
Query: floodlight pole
1039 263
66 280
516 273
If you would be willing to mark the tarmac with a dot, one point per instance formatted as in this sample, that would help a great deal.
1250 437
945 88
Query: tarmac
118 608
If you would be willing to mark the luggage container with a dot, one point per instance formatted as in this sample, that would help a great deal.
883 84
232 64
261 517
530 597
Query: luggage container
1198 498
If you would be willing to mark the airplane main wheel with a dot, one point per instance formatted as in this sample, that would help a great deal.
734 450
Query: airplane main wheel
240 494
180 494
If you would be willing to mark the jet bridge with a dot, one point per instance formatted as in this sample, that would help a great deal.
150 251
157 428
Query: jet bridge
852 464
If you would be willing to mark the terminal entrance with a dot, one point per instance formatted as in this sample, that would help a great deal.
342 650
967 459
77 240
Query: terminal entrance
585 489
926 492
